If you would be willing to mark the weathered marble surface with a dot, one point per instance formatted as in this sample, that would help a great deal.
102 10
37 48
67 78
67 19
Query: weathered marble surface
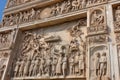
63 40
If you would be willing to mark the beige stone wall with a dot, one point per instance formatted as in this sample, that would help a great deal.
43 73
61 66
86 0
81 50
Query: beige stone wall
60 39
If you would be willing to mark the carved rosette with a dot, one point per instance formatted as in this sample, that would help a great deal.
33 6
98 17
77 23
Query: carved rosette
97 20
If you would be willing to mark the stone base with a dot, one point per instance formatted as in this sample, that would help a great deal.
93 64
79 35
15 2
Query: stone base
51 78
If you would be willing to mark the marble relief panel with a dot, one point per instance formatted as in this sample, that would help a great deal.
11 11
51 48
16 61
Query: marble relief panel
53 52
97 21
6 39
99 63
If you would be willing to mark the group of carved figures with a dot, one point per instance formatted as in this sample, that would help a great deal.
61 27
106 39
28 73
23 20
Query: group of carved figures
100 65
40 57
4 39
117 18
75 2
34 14
17 2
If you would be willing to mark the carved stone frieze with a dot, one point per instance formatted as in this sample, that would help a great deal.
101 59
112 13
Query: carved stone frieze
50 11
97 21
13 3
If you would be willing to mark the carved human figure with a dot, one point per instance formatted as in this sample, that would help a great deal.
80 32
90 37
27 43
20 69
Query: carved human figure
54 63
20 17
83 3
76 63
42 64
17 66
59 65
97 64
68 6
117 14
64 65
103 64
63 6
35 68
32 14
31 67
26 67
94 18
71 62
81 64
22 64
48 64
38 14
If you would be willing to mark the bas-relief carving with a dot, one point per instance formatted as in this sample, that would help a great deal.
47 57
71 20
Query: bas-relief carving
117 18
4 55
48 55
6 39
57 9
98 49
13 3
97 21
99 63
98 39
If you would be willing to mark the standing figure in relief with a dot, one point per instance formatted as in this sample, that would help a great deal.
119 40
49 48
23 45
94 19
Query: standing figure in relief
20 17
117 14
54 63
63 6
38 14
48 65
59 65
94 18
26 68
68 6
81 64
31 67
58 9
64 65
76 63
71 62
83 4
22 64
97 64
17 66
41 68
103 65
32 14
35 68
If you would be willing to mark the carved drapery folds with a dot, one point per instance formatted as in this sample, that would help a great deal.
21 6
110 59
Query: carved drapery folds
4 56
97 21
45 55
